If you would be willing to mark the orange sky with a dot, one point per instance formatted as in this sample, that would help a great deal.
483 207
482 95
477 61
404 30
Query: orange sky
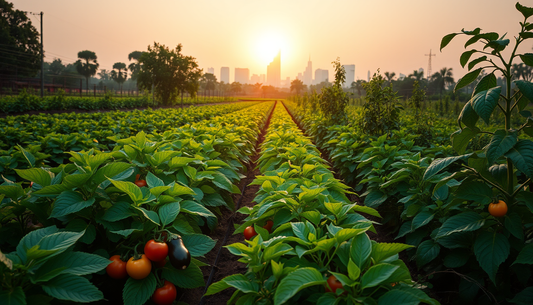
392 35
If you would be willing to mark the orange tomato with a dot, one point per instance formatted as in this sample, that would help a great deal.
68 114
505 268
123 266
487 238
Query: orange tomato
498 209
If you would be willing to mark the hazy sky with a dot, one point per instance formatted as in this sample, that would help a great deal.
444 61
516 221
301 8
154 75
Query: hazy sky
393 35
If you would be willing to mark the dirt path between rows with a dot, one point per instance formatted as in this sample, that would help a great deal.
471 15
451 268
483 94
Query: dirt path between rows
222 262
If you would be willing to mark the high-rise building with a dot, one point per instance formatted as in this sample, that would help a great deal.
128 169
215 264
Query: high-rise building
254 79
350 75
300 76
321 75
286 83
308 73
242 75
368 76
274 71
211 70
262 78
224 75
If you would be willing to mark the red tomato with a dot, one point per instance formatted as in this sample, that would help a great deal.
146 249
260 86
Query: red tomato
139 268
155 251
249 232
268 225
117 268
165 295
333 284
140 183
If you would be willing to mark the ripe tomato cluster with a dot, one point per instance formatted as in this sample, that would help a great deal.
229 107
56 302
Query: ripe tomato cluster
154 252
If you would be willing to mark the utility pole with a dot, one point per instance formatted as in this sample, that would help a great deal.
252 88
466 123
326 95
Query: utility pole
42 58
429 63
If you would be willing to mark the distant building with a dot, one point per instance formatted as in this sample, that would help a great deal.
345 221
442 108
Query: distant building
224 75
368 76
308 73
274 71
211 70
262 78
401 77
300 76
321 75
286 83
242 75
254 79
350 75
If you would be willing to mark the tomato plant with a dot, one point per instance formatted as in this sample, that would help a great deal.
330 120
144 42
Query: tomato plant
498 209
333 284
156 251
249 232
117 268
139 268
165 295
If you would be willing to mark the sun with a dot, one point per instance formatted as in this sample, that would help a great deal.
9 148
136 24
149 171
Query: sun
268 45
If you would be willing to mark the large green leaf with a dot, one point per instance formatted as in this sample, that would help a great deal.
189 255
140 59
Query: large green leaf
527 58
118 211
73 288
461 138
406 295
439 164
466 56
76 263
169 212
377 274
31 239
189 278
522 156
198 244
296 281
129 188
487 82
13 297
476 61
69 202
526 11
192 207
150 215
491 250
446 40
525 256
360 250
468 116
137 292
421 219
426 252
502 141
526 88
467 79
382 251
464 222
484 102
221 285
37 175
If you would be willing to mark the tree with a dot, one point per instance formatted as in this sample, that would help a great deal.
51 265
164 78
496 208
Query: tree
390 76
87 68
56 67
236 87
169 71
20 48
297 85
417 75
104 75
135 66
522 71
119 74
443 78
210 81
359 85
333 99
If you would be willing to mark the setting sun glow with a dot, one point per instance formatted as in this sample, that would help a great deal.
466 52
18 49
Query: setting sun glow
268 45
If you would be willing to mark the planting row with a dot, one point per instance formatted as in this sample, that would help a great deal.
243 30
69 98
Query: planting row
62 224
307 243
49 137
451 207
25 102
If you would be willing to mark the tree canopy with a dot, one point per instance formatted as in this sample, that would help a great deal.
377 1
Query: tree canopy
20 48
89 66
171 72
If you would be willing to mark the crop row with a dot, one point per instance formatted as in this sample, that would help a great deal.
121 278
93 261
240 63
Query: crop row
62 223
49 137
308 243
437 207
25 102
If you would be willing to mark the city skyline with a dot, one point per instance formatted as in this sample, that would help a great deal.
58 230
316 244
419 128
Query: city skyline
249 34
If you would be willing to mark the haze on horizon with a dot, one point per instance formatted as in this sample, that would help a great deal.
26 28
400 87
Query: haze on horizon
390 35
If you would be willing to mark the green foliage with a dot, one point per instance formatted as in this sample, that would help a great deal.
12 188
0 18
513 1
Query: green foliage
333 100
381 109
171 72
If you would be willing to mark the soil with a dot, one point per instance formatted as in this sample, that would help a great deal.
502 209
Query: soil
222 262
